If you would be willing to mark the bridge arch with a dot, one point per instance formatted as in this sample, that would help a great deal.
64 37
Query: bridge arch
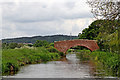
63 46
80 45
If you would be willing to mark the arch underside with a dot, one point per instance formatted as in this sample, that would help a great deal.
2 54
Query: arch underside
80 45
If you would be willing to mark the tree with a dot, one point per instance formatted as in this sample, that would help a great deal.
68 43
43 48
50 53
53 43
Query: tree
40 43
5 45
92 31
13 45
105 9
110 11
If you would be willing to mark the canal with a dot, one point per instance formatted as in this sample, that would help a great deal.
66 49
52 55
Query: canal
69 67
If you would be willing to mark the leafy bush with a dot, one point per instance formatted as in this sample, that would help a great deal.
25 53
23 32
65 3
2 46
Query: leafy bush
40 43
11 45
69 50
51 44
52 49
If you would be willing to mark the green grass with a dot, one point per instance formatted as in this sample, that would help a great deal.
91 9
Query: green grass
12 59
109 61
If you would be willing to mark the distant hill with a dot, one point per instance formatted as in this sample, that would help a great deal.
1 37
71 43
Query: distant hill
51 38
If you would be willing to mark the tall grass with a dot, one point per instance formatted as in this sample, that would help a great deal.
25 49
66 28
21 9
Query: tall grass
12 59
109 61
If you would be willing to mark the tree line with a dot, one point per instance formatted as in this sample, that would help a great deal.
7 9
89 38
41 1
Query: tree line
106 29
104 33
38 43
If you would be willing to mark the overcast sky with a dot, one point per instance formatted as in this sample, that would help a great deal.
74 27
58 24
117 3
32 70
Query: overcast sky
43 17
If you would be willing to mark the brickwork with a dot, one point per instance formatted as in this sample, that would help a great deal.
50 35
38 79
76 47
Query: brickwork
63 46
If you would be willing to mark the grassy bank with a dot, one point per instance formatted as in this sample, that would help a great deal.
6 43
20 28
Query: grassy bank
12 59
107 60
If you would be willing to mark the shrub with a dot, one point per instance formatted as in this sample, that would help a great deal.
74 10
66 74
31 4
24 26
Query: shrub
52 49
40 43
51 44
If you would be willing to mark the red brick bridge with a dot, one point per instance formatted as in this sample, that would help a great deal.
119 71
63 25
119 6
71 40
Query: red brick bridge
63 46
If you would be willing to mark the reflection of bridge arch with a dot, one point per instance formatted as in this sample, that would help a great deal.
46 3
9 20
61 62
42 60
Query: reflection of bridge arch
63 46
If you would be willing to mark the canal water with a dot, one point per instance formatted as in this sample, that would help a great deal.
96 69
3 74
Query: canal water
69 67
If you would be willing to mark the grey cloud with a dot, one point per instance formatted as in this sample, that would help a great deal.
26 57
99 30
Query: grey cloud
25 12
50 18
41 28
42 18
70 4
